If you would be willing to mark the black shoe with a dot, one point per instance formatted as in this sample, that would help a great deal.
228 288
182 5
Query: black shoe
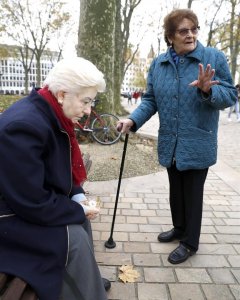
107 284
168 236
180 254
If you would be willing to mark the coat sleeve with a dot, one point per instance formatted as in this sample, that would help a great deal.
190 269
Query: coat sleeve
76 190
24 185
148 106
224 94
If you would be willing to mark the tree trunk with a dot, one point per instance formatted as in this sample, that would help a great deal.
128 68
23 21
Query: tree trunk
234 34
96 42
122 31
26 57
38 71
119 55
212 22
190 3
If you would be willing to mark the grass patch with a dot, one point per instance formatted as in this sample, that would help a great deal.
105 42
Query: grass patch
7 100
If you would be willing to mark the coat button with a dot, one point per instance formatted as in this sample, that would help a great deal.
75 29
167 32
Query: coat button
181 60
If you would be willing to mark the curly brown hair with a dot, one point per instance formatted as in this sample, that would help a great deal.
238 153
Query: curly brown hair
172 20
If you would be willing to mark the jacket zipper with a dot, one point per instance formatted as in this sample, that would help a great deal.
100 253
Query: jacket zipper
70 160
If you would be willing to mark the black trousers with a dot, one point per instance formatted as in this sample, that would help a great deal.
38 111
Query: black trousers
186 203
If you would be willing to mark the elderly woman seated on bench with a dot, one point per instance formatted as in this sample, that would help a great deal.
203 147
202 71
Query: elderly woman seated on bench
45 237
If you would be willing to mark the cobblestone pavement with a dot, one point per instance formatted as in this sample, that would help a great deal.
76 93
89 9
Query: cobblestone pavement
143 212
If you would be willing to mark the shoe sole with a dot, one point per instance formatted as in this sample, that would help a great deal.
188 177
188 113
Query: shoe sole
170 240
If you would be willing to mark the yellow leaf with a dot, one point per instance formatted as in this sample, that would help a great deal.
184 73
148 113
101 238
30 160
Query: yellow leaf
128 274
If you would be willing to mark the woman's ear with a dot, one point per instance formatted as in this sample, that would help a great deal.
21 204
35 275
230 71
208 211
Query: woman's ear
170 41
60 97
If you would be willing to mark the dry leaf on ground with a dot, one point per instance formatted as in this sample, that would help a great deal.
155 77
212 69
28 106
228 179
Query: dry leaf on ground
128 274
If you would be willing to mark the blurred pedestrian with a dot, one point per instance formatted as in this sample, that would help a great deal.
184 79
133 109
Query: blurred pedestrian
187 86
235 107
135 96
129 97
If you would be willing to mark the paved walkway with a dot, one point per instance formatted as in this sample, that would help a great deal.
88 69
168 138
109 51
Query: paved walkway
143 212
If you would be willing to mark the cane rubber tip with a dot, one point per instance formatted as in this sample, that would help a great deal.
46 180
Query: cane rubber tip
110 244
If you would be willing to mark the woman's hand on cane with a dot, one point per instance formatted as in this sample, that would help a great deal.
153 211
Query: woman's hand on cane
125 125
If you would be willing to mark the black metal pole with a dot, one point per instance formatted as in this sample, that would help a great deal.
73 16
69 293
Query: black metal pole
110 242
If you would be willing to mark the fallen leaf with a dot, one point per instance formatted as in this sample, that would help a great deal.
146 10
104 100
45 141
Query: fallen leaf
128 274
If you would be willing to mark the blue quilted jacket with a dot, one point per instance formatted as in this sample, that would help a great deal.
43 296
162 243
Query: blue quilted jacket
188 119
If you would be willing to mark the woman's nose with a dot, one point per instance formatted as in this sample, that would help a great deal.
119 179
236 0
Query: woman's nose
87 110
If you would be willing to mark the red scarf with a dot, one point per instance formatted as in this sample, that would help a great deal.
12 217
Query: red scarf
78 169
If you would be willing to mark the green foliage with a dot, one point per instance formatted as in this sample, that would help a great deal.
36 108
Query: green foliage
7 100
3 52
140 81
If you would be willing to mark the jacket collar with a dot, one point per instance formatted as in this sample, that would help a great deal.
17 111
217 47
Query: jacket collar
46 109
197 53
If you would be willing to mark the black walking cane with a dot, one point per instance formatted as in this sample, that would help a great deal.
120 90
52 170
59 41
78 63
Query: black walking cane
110 242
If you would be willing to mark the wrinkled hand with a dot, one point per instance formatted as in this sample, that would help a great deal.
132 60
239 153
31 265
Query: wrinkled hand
204 81
124 125
90 211
92 216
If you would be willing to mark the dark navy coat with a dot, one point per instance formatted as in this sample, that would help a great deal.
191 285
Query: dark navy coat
188 119
35 191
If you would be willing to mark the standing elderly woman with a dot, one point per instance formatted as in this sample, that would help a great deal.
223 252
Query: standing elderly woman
187 86
42 236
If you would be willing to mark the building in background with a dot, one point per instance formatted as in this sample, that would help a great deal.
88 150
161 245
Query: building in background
12 73
139 68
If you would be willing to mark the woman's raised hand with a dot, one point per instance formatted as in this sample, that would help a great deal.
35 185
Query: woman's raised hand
204 81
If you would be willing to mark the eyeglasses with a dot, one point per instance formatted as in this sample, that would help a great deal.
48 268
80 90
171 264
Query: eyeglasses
87 101
185 31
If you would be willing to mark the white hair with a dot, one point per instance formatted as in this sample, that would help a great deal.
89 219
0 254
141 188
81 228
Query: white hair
73 75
